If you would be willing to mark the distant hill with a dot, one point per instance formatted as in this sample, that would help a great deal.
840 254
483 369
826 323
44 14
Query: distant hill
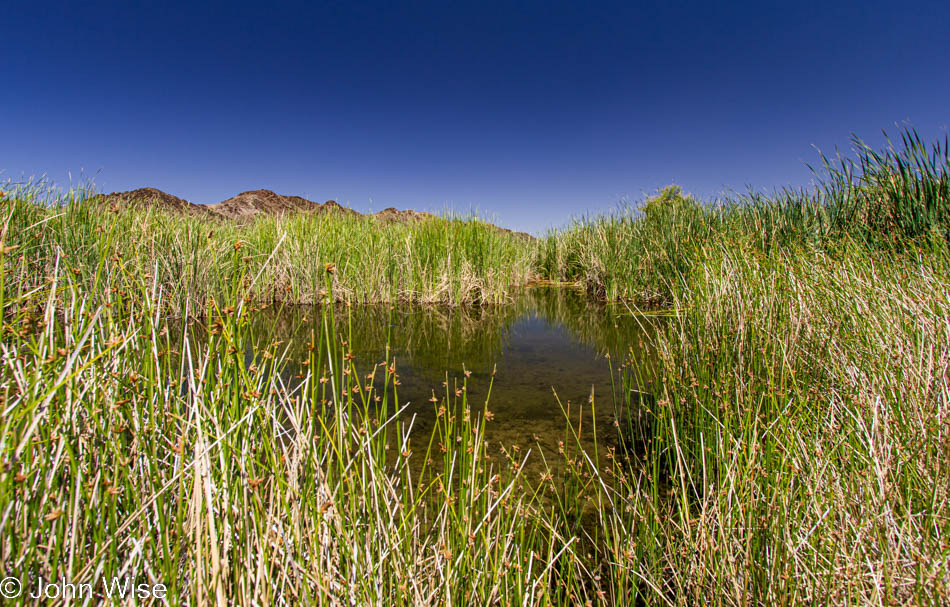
152 198
243 206
265 202
248 205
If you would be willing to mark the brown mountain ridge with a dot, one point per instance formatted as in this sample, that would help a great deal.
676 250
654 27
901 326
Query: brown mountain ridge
247 205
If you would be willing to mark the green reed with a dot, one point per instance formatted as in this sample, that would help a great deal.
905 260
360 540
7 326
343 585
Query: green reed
130 446
895 197
447 260
789 448
799 419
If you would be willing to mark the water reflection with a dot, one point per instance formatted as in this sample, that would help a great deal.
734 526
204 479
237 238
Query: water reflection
549 346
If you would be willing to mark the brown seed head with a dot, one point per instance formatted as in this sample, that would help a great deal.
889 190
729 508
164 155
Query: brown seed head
52 516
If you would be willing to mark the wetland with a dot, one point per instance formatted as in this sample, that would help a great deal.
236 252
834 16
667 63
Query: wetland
725 402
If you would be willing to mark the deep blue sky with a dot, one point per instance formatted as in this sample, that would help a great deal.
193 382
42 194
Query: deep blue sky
530 112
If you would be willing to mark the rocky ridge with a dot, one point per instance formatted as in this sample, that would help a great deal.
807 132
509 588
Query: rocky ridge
248 205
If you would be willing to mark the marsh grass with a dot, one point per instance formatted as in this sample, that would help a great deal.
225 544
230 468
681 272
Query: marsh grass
451 260
636 253
792 455
800 421
791 448
797 421
202 469
888 199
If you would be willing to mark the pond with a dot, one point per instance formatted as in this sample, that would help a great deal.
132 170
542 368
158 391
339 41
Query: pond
541 357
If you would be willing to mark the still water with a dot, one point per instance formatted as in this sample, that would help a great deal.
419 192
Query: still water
542 357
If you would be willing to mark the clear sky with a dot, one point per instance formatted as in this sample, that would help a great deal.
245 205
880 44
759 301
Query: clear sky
529 112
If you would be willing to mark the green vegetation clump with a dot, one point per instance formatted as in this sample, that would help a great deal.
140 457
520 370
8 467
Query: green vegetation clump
885 200
798 418
189 259
636 253
799 423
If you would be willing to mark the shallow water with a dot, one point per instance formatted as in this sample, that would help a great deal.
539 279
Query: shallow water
548 351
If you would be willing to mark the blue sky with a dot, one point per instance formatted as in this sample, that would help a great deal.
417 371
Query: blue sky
529 112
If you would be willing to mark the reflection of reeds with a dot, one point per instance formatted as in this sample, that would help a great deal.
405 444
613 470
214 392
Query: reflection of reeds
440 338
436 338
608 329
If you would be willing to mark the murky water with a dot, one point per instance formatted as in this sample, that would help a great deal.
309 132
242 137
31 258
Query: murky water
542 357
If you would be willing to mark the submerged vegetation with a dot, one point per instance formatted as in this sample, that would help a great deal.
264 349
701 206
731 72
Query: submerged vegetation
788 446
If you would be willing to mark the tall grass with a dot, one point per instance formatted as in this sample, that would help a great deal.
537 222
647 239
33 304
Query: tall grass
888 198
800 424
130 450
636 253
789 448
794 454
444 260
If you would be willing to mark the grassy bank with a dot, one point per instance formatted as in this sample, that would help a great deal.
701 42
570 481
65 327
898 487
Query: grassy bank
887 199
799 416
801 423
189 259
791 450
